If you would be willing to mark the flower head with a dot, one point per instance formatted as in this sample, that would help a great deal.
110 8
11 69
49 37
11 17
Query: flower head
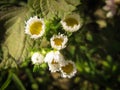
71 23
68 69
37 58
35 27
54 60
58 41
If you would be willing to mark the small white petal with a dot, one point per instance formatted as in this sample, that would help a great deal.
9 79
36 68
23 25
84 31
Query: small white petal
106 8
37 58
109 15
54 60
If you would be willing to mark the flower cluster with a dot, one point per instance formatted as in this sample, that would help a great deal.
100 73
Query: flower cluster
35 28
110 7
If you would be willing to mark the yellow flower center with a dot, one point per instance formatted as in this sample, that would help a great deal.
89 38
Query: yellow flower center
58 41
53 62
71 21
68 68
36 28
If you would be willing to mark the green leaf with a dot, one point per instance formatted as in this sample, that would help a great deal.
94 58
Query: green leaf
7 82
18 82
15 45
34 6
89 37
52 8
36 68
73 2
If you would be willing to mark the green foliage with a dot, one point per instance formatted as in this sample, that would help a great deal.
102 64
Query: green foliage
57 8
7 82
16 44
17 81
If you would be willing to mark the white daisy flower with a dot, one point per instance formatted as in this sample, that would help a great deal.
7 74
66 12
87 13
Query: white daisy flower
54 60
71 23
37 58
68 69
58 41
35 27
